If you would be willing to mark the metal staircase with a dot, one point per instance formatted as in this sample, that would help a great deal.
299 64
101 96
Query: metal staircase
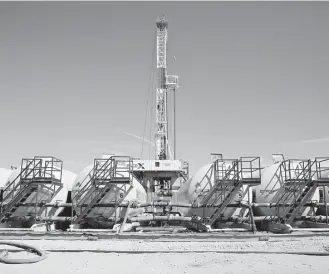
185 173
21 197
229 185
112 174
299 186
37 174
229 177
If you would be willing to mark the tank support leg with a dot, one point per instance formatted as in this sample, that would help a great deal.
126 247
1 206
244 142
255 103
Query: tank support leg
125 218
325 202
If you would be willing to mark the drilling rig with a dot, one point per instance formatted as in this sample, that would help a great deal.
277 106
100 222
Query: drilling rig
158 175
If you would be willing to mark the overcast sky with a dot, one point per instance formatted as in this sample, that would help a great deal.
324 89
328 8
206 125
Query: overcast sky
74 77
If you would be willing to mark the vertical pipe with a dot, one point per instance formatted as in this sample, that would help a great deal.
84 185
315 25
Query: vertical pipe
125 218
253 225
115 208
167 137
249 190
72 208
325 203
174 123
36 201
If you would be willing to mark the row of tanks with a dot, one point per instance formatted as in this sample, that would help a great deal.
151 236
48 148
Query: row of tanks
97 202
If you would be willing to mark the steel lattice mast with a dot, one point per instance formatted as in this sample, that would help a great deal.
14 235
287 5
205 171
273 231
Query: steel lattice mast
160 174
164 82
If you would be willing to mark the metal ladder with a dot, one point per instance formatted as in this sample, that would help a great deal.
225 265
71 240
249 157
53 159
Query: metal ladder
35 172
302 183
207 177
16 190
230 183
21 197
98 199
104 178
88 182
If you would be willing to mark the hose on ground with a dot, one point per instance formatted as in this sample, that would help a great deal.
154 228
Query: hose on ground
41 253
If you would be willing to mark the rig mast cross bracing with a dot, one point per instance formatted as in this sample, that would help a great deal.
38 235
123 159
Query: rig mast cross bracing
164 83
159 174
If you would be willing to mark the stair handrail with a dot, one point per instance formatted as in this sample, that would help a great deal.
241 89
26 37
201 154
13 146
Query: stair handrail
7 188
216 182
13 201
89 183
103 168
81 190
306 170
113 165
236 178
284 166
86 183
226 200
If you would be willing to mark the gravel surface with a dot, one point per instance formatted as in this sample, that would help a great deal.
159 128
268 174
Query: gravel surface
87 262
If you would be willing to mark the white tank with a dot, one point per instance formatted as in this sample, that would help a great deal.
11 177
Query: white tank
190 190
68 178
4 175
271 190
321 210
98 214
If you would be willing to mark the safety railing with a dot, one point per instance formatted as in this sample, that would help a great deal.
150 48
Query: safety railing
322 169
225 168
42 168
250 168
298 170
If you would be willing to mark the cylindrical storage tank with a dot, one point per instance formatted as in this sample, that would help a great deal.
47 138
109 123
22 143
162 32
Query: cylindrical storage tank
4 175
271 190
201 182
323 191
41 195
99 216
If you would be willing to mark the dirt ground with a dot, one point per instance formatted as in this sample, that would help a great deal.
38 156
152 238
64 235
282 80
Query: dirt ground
194 262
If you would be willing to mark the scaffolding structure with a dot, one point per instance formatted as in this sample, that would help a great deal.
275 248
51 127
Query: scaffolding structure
40 174
229 178
112 174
